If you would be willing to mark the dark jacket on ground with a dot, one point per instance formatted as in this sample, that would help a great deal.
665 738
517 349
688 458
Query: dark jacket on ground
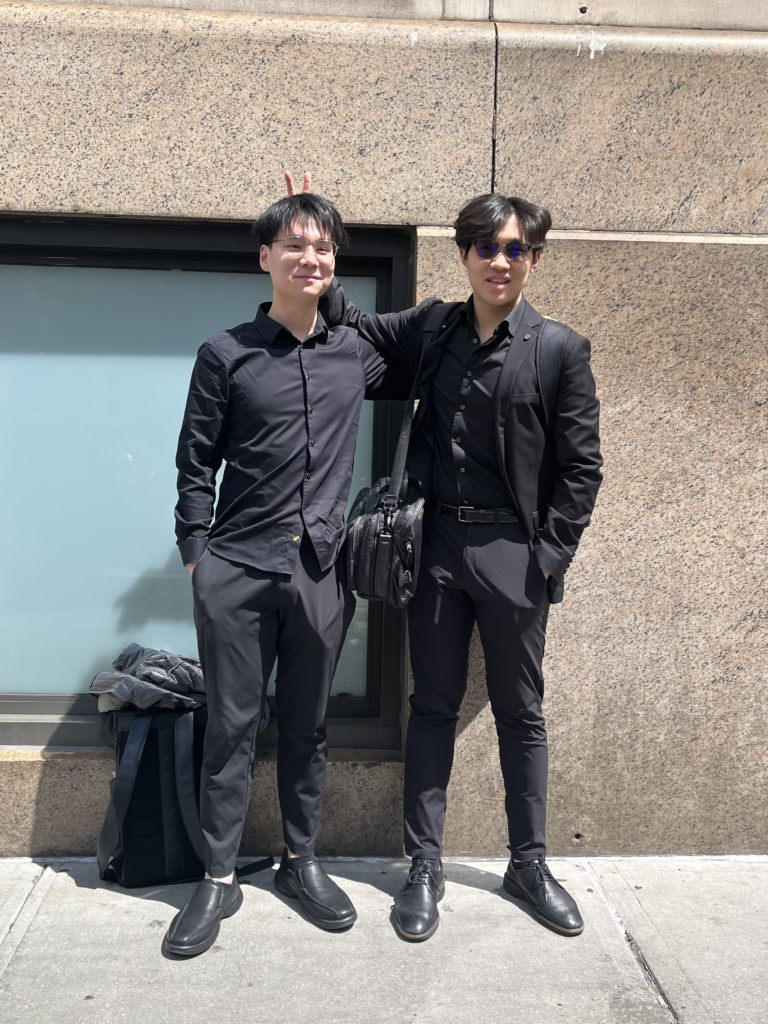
553 475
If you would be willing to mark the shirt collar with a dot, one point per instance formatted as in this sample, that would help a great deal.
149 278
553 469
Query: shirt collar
512 321
271 331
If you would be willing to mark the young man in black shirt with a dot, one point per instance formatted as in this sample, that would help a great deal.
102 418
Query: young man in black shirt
278 400
510 489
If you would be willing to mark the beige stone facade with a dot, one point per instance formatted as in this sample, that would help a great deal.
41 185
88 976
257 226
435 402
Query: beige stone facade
649 144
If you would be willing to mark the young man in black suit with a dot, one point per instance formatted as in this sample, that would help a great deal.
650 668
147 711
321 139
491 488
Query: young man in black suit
509 494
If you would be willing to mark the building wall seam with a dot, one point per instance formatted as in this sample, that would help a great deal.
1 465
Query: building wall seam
584 235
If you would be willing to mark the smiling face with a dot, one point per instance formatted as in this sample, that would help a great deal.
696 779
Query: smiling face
297 275
499 282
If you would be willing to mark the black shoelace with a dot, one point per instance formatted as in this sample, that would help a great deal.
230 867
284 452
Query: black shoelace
420 874
542 874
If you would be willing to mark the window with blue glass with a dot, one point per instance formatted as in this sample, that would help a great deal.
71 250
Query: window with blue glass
100 327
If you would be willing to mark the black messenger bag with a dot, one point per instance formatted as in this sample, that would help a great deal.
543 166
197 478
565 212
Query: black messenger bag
384 525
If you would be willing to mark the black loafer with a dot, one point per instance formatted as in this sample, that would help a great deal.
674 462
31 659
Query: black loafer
532 881
416 913
195 928
324 903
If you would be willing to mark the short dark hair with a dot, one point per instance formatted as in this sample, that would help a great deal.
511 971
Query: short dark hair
304 207
484 216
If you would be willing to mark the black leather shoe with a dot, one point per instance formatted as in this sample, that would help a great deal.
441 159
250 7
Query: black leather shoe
324 903
532 881
416 913
195 928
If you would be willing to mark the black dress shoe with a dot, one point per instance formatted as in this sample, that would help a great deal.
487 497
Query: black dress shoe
532 881
325 904
416 913
195 928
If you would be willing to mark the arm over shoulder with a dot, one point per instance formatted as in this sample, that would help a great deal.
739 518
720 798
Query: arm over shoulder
394 335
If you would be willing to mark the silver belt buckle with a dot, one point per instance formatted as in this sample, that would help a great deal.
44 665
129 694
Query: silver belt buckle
468 508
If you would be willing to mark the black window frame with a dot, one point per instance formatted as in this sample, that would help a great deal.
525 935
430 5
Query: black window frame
370 722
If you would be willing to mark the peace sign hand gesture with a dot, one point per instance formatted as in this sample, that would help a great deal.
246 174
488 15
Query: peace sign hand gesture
291 187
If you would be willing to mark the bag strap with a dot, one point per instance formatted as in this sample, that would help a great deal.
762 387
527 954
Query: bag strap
122 788
549 363
254 866
437 319
186 794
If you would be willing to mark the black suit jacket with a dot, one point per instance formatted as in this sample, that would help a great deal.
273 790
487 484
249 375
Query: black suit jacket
553 475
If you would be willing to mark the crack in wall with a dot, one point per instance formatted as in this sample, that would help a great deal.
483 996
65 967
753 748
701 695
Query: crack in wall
494 120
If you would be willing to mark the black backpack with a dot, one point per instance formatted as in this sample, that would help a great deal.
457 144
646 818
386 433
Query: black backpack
151 833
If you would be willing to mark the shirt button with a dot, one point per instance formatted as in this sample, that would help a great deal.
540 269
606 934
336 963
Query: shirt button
311 444
475 341
304 507
462 407
309 408
462 470
469 373
308 475
457 440
465 503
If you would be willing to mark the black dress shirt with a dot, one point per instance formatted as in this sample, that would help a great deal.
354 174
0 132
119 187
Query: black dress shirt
283 416
466 465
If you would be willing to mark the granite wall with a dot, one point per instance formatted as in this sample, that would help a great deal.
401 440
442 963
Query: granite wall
138 112
656 682
649 146
52 804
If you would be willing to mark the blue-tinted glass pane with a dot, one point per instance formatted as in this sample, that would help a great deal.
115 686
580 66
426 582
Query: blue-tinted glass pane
94 370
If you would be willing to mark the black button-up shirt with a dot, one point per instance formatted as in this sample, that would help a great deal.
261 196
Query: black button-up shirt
283 416
466 467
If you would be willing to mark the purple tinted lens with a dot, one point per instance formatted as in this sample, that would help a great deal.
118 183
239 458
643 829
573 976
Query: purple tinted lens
487 250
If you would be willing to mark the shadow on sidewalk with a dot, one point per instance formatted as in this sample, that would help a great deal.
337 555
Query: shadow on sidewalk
86 876
390 878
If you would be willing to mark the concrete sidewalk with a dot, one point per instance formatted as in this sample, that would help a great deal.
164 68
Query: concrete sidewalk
666 939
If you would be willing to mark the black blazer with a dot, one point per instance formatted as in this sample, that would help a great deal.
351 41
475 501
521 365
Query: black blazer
553 475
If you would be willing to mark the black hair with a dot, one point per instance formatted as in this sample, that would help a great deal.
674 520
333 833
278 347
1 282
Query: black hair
304 207
484 216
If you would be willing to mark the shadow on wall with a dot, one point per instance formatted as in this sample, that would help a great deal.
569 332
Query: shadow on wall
158 594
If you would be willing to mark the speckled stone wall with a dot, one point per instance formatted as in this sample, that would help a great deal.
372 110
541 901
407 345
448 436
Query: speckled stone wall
657 690
656 660
628 130
52 804
138 112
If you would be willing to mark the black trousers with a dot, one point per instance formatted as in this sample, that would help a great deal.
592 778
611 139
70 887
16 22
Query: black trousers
488 575
245 620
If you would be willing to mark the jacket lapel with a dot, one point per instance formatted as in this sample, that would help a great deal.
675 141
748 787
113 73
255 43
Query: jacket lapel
523 339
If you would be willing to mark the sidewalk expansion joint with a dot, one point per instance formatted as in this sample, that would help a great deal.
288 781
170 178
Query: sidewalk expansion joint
24 918
653 982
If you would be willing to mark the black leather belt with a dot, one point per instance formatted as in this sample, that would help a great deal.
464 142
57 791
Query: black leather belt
466 514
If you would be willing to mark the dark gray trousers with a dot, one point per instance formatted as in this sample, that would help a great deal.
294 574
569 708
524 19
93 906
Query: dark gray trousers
488 575
245 620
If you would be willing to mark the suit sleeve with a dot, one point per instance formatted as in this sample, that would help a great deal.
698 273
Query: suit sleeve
397 336
577 452
198 455
385 376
